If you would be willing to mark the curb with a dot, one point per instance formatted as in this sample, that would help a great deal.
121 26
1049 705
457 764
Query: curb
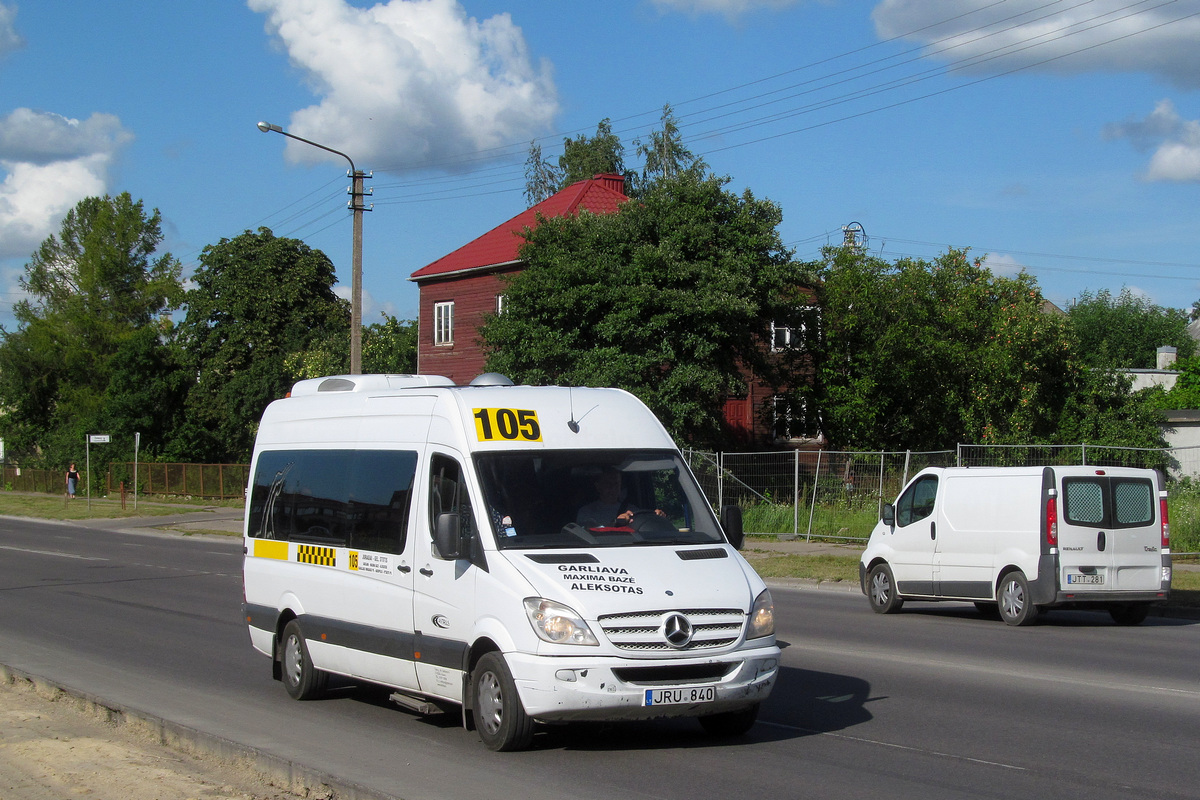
286 774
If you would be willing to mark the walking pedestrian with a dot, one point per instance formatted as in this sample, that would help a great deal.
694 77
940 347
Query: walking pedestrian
72 480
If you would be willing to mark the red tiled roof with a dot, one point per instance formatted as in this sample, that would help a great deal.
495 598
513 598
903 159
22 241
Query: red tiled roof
601 195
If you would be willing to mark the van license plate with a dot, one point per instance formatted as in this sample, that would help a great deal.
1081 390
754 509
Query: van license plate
674 697
1073 578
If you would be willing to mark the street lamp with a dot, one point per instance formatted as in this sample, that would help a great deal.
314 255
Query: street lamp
356 205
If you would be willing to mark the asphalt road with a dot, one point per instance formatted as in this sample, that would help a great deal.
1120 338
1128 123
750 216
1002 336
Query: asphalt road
935 702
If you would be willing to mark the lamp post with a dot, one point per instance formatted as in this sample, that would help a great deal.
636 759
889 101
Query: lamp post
356 206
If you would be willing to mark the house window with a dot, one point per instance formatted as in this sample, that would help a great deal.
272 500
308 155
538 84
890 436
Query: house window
797 335
790 417
443 323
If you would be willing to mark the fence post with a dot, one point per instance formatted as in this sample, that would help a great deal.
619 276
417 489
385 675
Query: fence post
720 480
795 493
1083 454
812 507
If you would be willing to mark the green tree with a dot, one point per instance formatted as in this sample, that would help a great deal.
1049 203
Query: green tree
542 179
923 355
96 290
389 347
671 298
664 154
585 157
258 299
1125 332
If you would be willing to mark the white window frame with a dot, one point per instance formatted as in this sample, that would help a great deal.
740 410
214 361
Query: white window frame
443 323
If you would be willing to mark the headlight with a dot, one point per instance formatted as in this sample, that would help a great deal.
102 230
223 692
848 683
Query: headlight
553 622
762 616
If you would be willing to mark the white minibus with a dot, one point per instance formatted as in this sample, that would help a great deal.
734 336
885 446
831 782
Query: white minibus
527 555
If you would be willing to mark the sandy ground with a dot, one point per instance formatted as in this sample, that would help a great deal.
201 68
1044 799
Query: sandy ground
56 747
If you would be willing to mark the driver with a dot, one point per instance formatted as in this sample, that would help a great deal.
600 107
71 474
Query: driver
610 508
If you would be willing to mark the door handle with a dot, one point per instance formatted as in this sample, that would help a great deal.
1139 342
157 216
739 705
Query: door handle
403 568
933 530
426 571
1101 541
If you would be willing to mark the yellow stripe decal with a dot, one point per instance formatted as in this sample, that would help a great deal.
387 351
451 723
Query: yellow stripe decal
269 548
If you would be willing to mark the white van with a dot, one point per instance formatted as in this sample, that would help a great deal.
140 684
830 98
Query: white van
1019 539
465 546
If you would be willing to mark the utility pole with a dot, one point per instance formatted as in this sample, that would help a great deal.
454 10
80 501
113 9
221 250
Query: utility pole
357 207
850 234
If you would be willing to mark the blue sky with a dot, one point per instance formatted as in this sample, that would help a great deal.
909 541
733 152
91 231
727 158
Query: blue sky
1059 136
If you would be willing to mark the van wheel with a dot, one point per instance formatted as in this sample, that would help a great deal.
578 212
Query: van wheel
302 680
1129 613
1013 600
730 723
881 590
499 716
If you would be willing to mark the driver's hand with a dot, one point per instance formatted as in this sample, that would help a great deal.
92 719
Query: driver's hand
625 517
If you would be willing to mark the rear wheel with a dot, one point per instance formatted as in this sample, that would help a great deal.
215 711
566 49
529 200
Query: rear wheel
302 680
730 723
1129 613
1012 596
881 590
499 716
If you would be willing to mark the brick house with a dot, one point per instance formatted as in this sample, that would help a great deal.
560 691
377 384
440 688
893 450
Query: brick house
460 288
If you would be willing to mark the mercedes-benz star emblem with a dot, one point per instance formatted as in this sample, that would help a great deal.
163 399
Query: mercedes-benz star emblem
677 630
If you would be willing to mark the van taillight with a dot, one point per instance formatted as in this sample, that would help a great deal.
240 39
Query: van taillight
1052 522
1164 524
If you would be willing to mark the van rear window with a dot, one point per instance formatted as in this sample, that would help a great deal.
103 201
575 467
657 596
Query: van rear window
1109 501
338 498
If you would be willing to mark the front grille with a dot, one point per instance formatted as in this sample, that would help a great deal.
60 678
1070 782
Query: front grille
638 632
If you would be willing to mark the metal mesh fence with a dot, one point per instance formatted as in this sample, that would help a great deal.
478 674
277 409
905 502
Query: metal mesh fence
838 495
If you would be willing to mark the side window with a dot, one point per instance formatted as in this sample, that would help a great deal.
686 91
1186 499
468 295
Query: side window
917 502
1133 503
448 494
1083 501
338 498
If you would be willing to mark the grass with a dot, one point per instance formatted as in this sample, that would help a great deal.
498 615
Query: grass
46 506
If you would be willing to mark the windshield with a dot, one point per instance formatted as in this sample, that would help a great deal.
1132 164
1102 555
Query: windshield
593 498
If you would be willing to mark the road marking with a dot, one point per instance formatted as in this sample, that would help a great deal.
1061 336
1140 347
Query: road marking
894 746
52 553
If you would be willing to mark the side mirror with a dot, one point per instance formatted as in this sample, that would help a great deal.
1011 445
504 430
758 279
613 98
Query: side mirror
731 521
448 540
889 515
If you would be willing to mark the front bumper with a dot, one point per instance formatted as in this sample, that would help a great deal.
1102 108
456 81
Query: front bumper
555 689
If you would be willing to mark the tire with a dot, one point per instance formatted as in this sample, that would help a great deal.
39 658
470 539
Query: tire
730 723
302 680
1129 613
500 718
881 590
1012 597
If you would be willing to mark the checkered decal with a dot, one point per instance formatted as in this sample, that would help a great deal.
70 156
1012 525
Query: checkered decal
312 554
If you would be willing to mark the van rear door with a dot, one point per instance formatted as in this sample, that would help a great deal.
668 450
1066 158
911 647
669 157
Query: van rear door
1109 533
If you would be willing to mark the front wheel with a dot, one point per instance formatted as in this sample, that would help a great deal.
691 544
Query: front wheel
499 716
730 723
1012 596
302 680
881 590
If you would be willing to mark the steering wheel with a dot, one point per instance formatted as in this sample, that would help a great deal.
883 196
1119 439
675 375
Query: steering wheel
649 522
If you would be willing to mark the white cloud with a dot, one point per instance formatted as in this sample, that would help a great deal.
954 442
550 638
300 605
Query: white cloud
730 8
51 163
1003 265
10 40
1175 141
404 82
1101 36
